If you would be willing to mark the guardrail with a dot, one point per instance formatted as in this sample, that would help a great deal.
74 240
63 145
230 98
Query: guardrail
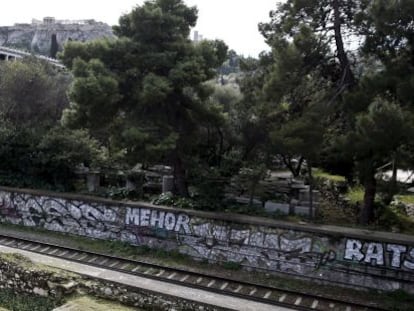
20 54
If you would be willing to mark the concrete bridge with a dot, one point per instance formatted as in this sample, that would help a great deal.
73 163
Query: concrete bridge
13 54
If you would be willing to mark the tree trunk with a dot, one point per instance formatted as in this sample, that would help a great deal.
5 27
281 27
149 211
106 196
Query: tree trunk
367 212
180 184
348 78
295 170
310 176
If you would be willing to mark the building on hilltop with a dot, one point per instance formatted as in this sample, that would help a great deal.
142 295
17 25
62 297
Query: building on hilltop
49 20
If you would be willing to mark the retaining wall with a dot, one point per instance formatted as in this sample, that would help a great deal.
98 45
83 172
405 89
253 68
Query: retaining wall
22 276
345 256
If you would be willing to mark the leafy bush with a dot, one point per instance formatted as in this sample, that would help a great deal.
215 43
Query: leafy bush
355 194
169 199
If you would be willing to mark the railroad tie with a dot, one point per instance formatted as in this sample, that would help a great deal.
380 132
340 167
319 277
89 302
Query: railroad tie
62 254
238 289
114 264
185 278
73 255
160 273
54 252
224 285
282 298
253 291
171 276
92 259
298 301
24 245
83 257
104 261
148 271
267 295
35 248
314 304
211 283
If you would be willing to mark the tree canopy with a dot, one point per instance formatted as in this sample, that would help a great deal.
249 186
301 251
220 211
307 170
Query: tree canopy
147 84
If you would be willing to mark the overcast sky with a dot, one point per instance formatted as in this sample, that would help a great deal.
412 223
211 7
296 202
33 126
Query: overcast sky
234 21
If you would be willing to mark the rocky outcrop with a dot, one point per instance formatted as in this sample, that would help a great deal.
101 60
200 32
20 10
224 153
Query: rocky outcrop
37 38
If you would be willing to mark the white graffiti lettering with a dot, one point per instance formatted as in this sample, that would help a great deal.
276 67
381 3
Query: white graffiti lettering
353 250
410 264
374 253
144 217
396 252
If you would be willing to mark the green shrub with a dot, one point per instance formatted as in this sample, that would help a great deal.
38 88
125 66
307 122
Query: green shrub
319 173
355 195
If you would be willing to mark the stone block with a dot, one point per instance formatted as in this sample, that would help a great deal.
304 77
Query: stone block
93 181
304 195
167 183
272 207
303 210
246 200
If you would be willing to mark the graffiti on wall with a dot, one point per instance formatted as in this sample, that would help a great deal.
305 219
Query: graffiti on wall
274 250
379 254
145 217
256 246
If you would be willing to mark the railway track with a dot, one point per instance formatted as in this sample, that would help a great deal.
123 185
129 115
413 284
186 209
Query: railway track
247 290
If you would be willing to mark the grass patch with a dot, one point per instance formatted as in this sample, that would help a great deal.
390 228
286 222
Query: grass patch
406 199
231 265
319 173
25 302
94 304
355 195
18 259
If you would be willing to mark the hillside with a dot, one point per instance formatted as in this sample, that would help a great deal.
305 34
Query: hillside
37 36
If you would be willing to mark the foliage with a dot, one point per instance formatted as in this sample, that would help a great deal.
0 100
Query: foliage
24 302
406 199
320 173
395 219
144 92
169 199
32 93
355 195
61 151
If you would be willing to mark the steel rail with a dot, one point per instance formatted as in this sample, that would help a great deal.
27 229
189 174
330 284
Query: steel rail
209 282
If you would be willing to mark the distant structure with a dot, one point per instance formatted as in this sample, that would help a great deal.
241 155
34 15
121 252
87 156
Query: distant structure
8 54
197 37
37 37
52 20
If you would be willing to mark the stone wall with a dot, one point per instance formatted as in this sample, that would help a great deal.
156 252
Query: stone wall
21 275
326 253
